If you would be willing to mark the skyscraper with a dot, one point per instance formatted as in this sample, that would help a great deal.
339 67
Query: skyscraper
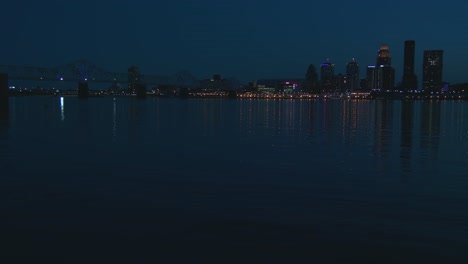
373 78
388 77
327 70
383 56
382 75
432 70
311 80
410 81
352 75
327 76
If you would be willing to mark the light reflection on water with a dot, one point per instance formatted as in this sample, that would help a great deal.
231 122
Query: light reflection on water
62 109
347 177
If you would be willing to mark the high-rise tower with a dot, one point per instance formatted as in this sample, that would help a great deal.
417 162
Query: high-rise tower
327 76
383 56
410 81
352 75
385 72
327 70
432 70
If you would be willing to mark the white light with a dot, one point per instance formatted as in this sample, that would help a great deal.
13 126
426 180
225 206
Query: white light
62 109
61 78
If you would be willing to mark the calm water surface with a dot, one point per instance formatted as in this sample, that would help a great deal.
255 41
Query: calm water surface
239 181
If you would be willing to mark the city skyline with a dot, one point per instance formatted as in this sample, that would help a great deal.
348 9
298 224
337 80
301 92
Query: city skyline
235 39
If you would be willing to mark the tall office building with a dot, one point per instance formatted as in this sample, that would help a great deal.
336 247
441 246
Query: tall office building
327 76
432 70
382 75
385 71
388 77
352 75
373 78
383 56
327 70
409 81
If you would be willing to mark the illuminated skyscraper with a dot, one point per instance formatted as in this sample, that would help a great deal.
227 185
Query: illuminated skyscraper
382 75
383 56
432 70
410 81
352 75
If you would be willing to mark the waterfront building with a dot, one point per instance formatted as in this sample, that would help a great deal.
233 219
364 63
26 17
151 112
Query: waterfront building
373 78
363 84
287 86
383 56
352 76
311 82
216 83
381 77
327 77
432 70
387 77
409 81
341 83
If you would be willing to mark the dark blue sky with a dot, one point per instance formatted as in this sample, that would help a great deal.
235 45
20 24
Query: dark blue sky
243 39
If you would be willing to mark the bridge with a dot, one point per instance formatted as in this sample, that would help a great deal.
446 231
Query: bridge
82 70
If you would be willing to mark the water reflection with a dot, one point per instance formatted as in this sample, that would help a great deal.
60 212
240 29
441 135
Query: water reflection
209 168
136 113
84 120
114 120
383 124
430 128
3 112
386 126
407 109
62 109
5 151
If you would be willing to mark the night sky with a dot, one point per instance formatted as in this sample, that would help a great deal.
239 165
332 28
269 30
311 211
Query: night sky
243 39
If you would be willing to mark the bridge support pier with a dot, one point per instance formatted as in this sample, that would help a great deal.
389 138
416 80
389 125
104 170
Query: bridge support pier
83 90
141 90
3 96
